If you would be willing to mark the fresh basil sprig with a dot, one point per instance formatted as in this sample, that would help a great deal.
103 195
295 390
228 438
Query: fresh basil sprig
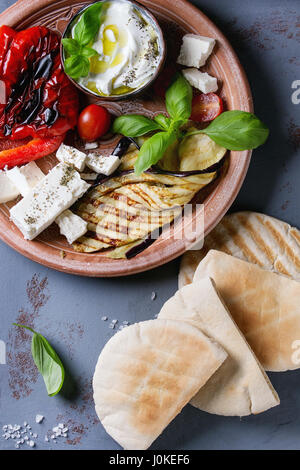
179 102
179 99
233 130
236 130
47 362
135 125
78 53
152 150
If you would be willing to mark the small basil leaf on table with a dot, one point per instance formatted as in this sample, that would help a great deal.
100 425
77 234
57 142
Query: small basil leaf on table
88 24
71 46
134 125
179 99
47 362
153 150
237 130
77 66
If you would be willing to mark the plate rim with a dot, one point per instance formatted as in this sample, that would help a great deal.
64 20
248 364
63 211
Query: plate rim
99 268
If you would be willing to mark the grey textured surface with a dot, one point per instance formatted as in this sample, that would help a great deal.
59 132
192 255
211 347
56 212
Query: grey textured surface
68 309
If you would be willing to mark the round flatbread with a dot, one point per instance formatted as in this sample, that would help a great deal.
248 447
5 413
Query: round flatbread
264 305
240 387
146 374
257 238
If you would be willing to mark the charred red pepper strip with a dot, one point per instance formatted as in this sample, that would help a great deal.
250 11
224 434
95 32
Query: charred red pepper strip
34 149
41 101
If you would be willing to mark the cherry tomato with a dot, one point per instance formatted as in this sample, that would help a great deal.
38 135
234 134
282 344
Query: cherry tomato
93 122
206 107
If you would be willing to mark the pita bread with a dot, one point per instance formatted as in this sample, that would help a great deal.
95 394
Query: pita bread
146 374
240 386
264 305
257 238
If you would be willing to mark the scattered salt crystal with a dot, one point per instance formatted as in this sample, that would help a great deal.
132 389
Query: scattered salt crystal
46 439
153 296
125 322
61 426
39 418
114 322
104 318
31 443
112 326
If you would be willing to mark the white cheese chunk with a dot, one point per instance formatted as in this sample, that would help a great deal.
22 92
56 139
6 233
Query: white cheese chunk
195 50
71 155
8 191
202 81
71 226
25 177
91 145
54 194
104 165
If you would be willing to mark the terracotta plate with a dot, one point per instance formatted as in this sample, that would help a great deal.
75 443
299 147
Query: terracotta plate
176 18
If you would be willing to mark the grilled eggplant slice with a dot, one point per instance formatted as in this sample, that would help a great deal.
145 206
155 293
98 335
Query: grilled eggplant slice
199 152
126 209
123 210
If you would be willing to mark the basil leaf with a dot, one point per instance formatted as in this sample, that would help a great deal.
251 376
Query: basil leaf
179 99
71 46
47 362
77 66
163 121
134 125
88 52
153 150
237 130
88 24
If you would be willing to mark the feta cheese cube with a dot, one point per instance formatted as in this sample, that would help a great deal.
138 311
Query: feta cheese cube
195 50
54 194
91 145
25 177
72 156
8 191
202 81
71 226
104 165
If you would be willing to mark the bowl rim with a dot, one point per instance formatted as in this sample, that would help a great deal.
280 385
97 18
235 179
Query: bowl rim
137 91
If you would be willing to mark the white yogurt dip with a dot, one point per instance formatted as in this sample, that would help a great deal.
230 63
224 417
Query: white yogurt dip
129 51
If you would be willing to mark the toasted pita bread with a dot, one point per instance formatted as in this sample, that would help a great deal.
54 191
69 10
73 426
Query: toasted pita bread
257 238
240 386
146 374
264 305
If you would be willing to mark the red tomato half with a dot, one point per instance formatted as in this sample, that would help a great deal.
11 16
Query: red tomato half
206 107
93 122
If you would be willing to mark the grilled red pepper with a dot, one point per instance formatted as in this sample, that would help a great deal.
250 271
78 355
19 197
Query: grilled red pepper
37 98
29 150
